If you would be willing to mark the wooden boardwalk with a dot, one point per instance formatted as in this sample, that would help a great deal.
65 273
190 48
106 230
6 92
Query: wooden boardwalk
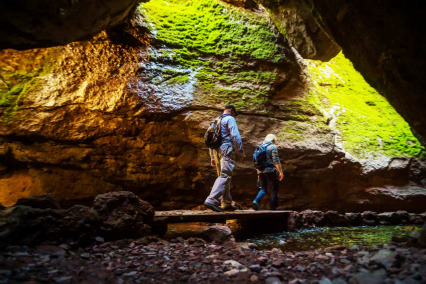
186 216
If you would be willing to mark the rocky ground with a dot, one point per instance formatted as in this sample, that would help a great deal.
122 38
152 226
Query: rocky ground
154 260
42 243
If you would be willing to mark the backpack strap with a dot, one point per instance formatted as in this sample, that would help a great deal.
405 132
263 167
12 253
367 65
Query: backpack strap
218 120
266 144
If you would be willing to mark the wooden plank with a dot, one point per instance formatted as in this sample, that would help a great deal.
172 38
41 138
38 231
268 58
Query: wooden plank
182 216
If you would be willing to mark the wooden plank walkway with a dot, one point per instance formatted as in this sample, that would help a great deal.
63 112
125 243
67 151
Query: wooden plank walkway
186 216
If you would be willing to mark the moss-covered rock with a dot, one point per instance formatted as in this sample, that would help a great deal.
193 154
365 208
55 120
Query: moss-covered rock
220 53
368 125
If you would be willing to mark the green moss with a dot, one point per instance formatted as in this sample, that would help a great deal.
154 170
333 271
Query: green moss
367 122
216 41
295 131
211 28
18 83
24 81
178 80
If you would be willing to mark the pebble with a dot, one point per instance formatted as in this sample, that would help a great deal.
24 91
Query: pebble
193 260
255 267
85 255
273 280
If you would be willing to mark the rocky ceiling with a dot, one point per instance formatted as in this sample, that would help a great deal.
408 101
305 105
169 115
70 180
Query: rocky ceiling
383 38
26 24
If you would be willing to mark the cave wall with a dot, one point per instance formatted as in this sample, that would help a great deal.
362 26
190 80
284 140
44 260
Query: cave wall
26 24
128 110
295 20
384 40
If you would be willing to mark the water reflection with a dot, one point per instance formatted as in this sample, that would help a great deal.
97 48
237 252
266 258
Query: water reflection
328 237
304 239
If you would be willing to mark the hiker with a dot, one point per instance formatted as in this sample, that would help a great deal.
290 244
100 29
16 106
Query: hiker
223 158
270 175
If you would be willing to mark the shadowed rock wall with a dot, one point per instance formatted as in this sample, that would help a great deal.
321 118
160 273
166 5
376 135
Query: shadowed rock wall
33 24
384 40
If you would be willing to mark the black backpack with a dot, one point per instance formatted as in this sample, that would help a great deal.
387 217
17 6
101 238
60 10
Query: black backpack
260 157
212 137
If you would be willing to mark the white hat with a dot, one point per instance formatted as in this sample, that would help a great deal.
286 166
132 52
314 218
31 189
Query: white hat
270 138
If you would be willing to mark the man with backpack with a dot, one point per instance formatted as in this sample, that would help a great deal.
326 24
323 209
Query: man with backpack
223 139
270 173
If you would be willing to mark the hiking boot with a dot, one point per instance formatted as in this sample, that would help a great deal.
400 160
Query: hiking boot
255 205
213 207
229 207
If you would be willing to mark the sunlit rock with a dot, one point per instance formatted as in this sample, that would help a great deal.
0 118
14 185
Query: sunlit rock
294 19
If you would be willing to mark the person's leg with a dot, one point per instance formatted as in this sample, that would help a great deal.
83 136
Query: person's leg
263 189
274 182
227 166
260 195
220 184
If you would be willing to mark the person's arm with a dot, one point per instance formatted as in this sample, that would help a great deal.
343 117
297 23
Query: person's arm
276 160
280 171
235 136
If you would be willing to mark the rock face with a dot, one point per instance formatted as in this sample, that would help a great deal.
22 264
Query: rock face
218 234
294 19
115 215
35 24
122 214
381 38
128 111
30 226
388 54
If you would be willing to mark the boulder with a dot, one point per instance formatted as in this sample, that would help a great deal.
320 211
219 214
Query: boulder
370 218
80 224
398 217
305 219
217 234
312 218
417 219
32 226
355 219
44 201
123 215
294 222
333 218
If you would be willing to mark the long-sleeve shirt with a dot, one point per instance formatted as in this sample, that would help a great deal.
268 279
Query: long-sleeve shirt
230 133
273 158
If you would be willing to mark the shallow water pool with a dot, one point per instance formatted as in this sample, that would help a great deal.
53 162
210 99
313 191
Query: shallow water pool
328 237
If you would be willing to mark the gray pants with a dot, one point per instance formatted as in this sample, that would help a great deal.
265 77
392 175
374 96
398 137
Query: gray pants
221 191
